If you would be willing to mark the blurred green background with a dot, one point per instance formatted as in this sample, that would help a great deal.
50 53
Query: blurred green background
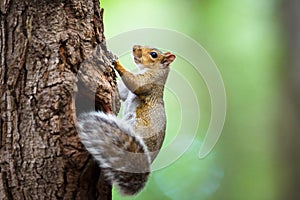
248 42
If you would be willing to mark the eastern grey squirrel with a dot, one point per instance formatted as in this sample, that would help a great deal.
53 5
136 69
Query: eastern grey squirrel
125 148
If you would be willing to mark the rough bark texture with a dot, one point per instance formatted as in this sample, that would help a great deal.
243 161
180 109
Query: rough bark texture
290 137
51 50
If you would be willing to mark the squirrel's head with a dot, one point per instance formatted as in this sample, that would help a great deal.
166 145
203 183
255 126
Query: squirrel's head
147 57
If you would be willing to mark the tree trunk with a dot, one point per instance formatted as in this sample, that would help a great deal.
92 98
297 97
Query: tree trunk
50 52
290 137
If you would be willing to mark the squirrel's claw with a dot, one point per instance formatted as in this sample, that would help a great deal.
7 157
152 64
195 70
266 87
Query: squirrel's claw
114 62
113 58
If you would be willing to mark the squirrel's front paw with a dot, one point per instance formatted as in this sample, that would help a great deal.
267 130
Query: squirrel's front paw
114 62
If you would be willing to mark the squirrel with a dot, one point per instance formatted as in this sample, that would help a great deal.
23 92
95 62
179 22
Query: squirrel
125 148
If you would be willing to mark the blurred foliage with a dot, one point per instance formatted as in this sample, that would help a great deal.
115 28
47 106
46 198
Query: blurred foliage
245 40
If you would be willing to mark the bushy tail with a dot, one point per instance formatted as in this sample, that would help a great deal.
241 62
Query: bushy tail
121 154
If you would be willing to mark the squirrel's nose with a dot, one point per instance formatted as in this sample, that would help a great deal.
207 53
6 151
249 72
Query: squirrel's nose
135 47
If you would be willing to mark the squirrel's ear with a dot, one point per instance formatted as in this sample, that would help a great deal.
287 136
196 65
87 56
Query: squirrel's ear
169 57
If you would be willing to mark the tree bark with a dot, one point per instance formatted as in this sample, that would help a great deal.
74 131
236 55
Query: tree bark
290 137
51 52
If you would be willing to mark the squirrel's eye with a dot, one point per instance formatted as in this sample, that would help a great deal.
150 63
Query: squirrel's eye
153 54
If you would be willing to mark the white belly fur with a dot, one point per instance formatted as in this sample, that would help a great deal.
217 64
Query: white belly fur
130 106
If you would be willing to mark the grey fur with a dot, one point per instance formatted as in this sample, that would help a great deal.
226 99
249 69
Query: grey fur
122 155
